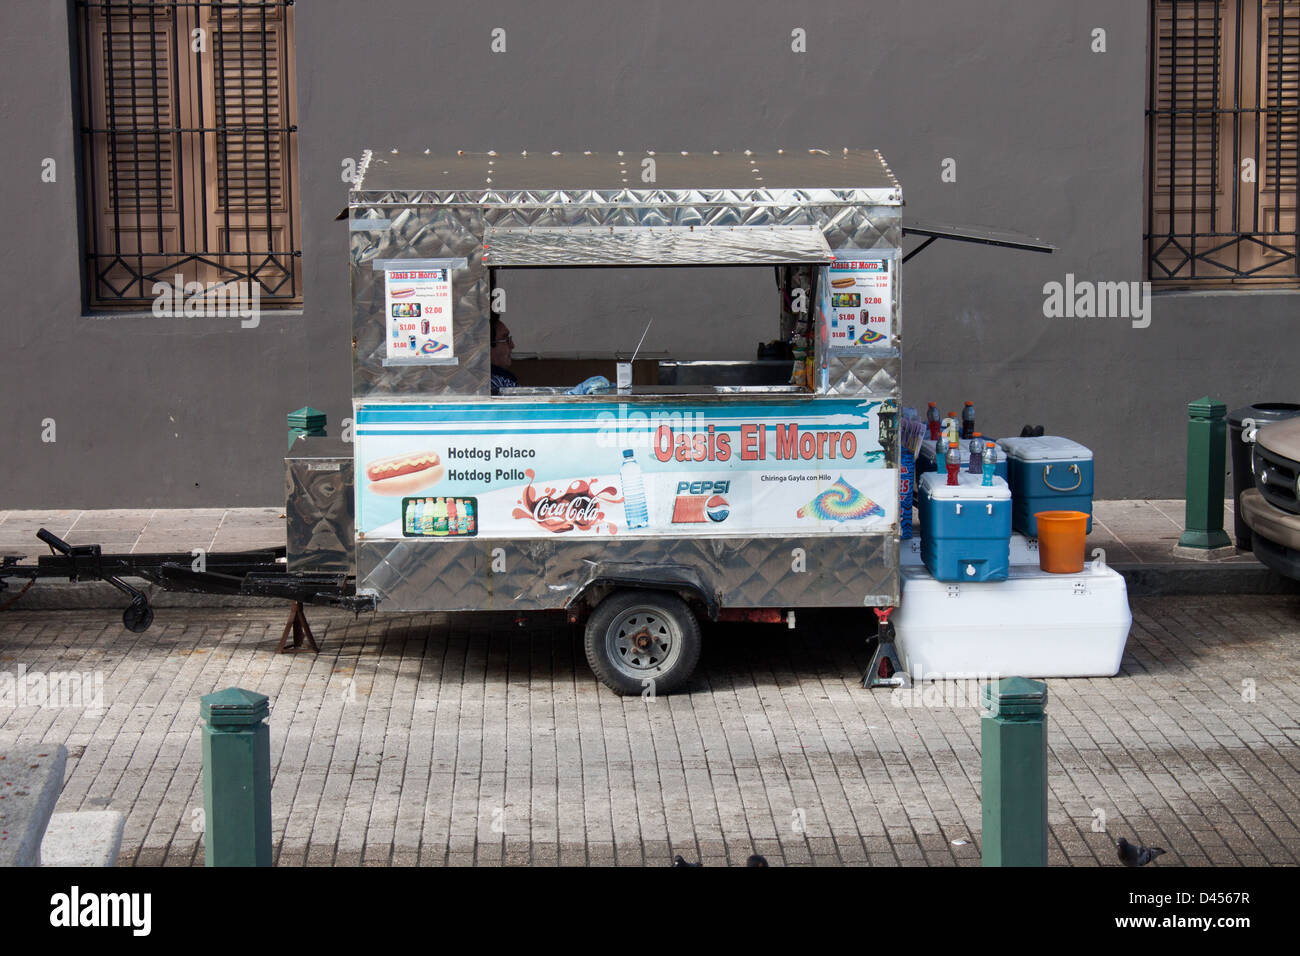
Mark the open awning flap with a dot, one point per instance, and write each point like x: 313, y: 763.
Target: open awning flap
x: 525, y: 246
x: 985, y: 235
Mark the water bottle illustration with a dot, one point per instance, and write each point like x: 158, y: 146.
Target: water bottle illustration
x: 634, y: 503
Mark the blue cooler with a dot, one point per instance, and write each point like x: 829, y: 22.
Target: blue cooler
x: 966, y: 528
x: 1047, y: 474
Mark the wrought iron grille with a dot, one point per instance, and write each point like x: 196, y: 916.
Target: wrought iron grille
x: 1223, y: 117
x: 189, y: 147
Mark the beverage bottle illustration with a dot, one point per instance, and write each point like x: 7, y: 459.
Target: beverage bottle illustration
x: 414, y: 512
x: 634, y: 502
x: 453, y: 518
x: 470, y: 526
x: 977, y: 454
x: 426, y: 517
x: 439, y: 517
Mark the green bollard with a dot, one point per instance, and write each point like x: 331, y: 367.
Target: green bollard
x: 1207, y: 442
x: 1013, y: 741
x: 236, y: 778
x: 304, y: 422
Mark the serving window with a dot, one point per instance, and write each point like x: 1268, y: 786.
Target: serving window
x: 700, y: 308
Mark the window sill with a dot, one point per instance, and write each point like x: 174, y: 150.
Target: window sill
x: 1208, y: 293
x: 263, y: 315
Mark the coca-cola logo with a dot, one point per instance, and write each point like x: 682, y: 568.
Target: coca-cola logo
x: 581, y: 510
x: 577, y: 508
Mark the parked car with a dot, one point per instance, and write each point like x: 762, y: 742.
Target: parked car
x: 1271, y: 509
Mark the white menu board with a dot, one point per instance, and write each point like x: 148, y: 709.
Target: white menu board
x: 861, y: 302
x: 417, y: 314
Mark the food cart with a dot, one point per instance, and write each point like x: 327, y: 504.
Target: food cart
x: 690, y: 488
x: 744, y: 494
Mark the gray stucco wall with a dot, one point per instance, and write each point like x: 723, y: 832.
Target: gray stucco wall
x: 1047, y: 137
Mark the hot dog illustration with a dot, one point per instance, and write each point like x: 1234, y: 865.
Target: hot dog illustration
x: 405, y: 474
x: 843, y: 282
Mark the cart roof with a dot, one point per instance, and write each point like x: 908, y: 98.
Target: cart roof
x: 492, y: 172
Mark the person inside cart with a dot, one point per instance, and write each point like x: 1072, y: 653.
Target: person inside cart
x: 502, y: 347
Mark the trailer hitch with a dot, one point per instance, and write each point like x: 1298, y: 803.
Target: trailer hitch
x: 84, y: 563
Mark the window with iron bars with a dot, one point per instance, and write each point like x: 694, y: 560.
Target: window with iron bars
x: 1223, y: 117
x: 189, y: 148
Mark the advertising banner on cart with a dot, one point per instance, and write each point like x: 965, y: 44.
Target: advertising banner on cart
x: 861, y: 300
x: 417, y: 304
x: 494, y: 469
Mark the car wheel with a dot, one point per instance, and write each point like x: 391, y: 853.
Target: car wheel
x: 639, y: 640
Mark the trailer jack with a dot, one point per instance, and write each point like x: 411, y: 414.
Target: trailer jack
x: 885, y: 669
x: 85, y: 563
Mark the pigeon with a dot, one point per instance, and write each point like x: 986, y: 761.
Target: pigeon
x: 678, y: 861
x: 756, y: 860
x: 1131, y: 855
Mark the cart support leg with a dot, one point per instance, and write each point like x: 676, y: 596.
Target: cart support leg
x: 885, y: 669
x: 298, y: 626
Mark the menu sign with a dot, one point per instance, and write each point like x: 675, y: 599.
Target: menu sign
x: 861, y: 301
x: 417, y: 315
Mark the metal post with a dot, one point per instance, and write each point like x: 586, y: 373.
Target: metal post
x: 236, y: 778
x: 305, y: 422
x: 1013, y: 741
x: 1207, y: 442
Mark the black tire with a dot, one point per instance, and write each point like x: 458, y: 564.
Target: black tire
x: 637, y: 640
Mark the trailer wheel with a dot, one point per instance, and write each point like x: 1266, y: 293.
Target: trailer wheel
x: 643, y: 639
x: 138, y: 616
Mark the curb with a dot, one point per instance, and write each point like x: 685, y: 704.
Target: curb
x: 1172, y: 578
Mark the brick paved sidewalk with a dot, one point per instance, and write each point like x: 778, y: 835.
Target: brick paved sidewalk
x: 408, y: 741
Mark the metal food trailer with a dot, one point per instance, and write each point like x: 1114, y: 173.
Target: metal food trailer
x: 684, y: 490
x: 648, y: 505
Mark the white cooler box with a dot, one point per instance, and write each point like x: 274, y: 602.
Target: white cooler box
x: 1033, y: 624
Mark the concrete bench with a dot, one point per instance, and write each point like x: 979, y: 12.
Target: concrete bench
x: 31, y: 778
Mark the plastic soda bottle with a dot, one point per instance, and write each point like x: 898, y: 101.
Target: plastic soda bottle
x: 953, y: 463
x: 968, y: 421
x: 634, y: 503
x: 990, y: 463
x: 976, y: 465
x: 932, y: 419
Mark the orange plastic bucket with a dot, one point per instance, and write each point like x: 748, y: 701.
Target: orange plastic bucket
x: 1060, y: 541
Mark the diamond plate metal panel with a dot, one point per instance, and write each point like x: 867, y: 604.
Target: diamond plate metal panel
x: 319, y: 523
x: 822, y: 571
x: 875, y: 375
x: 654, y: 246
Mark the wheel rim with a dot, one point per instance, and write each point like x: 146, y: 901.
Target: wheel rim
x: 643, y: 642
